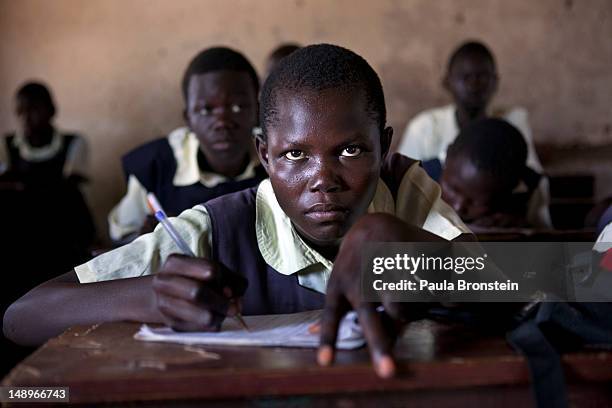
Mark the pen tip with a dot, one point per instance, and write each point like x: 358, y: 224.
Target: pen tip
x: 242, y: 322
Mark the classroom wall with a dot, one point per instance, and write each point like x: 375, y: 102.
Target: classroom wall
x: 115, y: 65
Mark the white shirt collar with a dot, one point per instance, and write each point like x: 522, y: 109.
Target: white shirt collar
x: 37, y: 154
x: 185, y: 145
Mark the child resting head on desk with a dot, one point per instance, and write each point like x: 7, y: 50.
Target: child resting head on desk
x: 472, y: 79
x: 324, y: 145
x: 485, y: 178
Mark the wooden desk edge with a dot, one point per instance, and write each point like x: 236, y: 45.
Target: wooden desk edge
x: 447, y: 374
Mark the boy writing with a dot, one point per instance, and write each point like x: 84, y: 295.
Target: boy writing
x: 324, y: 145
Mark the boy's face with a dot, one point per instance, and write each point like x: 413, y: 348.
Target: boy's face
x: 472, y: 81
x: 33, y: 115
x: 323, y: 156
x: 222, y: 111
x: 471, y: 192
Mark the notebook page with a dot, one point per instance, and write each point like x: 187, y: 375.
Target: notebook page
x: 288, y: 330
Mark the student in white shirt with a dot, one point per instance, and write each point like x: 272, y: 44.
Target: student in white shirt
x: 472, y: 80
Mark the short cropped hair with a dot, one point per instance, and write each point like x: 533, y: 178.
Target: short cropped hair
x: 321, y: 67
x: 494, y: 146
x: 470, y: 48
x: 36, y: 91
x: 218, y: 59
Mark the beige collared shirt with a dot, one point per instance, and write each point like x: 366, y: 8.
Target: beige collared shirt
x: 128, y: 216
x: 281, y: 247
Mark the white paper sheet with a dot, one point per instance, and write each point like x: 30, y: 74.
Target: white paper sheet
x: 289, y: 330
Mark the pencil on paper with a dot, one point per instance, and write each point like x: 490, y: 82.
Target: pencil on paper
x: 180, y: 242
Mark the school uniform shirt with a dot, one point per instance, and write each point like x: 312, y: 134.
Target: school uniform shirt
x: 414, y: 197
x: 169, y: 168
x: 64, y: 157
x: 429, y: 134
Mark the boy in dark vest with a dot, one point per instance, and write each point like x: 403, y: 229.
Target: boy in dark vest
x: 211, y: 156
x: 324, y: 145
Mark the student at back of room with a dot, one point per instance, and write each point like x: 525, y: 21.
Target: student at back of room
x: 471, y: 79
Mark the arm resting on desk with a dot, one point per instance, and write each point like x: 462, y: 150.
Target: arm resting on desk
x: 59, y: 303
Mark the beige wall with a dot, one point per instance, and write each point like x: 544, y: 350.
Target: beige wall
x: 114, y: 65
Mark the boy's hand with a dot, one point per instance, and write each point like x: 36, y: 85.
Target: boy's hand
x: 195, y: 294
x: 381, y: 328
x: 344, y: 292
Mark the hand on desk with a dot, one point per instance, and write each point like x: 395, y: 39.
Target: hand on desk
x: 344, y: 293
x: 195, y: 294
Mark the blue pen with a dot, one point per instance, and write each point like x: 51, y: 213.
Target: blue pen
x: 163, y: 219
x: 180, y: 242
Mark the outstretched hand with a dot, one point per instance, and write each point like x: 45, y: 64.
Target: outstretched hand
x: 381, y: 325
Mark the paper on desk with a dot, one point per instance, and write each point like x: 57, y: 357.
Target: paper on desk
x: 288, y: 330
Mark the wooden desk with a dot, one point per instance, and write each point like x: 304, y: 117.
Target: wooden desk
x: 440, y: 366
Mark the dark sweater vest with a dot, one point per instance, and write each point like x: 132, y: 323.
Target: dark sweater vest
x: 154, y: 165
x: 234, y: 245
x: 51, y: 169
